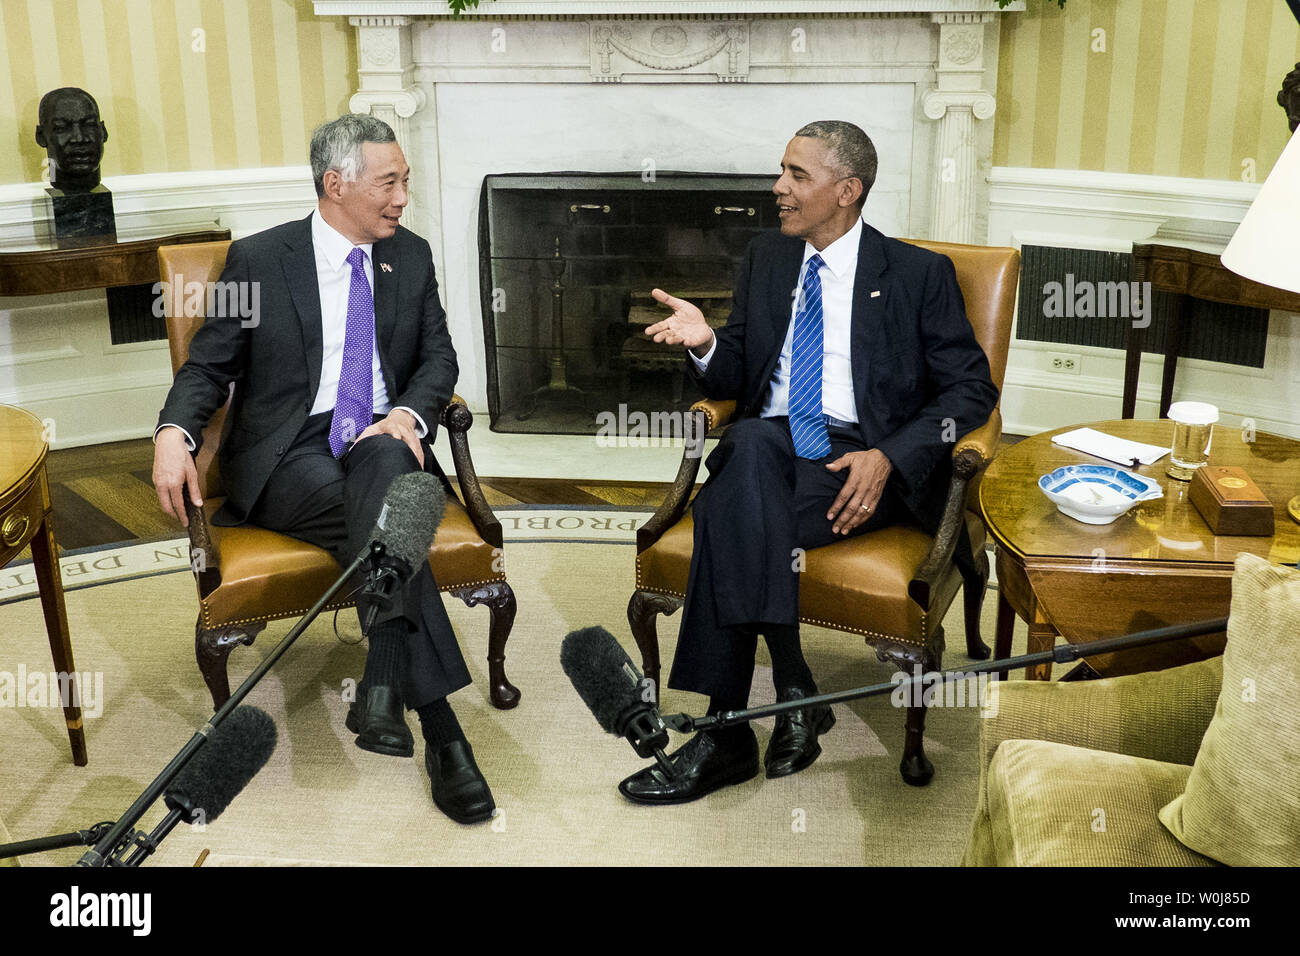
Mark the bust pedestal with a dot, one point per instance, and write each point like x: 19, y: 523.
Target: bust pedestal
x: 81, y: 216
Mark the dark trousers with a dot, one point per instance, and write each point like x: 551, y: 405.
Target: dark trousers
x: 760, y: 503
x: 334, y: 504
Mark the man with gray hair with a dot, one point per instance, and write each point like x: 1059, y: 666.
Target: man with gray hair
x: 850, y: 358
x: 340, y: 381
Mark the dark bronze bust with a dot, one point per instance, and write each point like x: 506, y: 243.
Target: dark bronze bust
x: 70, y: 130
x: 1289, y: 97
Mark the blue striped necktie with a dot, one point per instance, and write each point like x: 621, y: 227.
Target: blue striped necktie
x: 807, y: 427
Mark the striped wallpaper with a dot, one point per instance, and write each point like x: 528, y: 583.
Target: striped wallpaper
x: 244, y: 93
x: 1185, y: 87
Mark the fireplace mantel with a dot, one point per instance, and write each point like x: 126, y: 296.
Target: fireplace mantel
x: 664, y: 8
x: 700, y: 86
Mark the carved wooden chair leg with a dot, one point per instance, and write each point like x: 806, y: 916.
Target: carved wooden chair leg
x: 212, y: 649
x: 641, y: 612
x: 974, y: 570
x: 915, y: 766
x: 500, y: 600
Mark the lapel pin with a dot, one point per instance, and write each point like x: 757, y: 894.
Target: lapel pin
x: 387, y: 268
x: 875, y: 294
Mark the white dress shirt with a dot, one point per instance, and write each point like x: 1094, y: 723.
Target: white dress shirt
x: 334, y: 279
x: 837, y: 275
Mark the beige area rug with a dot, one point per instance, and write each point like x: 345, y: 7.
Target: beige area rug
x: 321, y: 800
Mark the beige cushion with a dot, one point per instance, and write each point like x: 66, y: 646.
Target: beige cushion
x: 1242, y: 801
x: 1053, y: 804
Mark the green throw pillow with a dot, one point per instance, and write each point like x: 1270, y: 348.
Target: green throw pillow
x: 1242, y: 802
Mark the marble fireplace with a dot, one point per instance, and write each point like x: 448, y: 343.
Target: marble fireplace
x: 636, y: 88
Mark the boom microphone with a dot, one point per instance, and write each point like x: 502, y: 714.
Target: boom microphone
x: 413, y: 508
x: 236, y: 750
x: 621, y: 700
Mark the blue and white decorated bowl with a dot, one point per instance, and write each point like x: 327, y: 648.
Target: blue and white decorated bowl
x: 1097, y: 494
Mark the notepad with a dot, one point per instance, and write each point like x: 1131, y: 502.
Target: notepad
x: 1119, y: 450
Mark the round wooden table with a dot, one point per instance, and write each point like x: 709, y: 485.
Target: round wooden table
x: 25, y: 518
x: 1157, y: 565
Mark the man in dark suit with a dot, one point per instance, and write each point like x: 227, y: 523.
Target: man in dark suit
x: 854, y: 369
x: 340, y: 379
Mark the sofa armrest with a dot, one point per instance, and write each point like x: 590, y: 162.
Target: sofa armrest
x: 1159, y: 715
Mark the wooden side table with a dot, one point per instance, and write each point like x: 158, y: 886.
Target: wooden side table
x: 1157, y: 565
x: 1188, y: 274
x: 26, y: 518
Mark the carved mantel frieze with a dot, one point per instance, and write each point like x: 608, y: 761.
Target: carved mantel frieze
x: 628, y: 49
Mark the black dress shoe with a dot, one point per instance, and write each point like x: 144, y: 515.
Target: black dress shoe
x: 459, y: 790
x: 703, y: 765
x: 379, y: 721
x: 794, y: 743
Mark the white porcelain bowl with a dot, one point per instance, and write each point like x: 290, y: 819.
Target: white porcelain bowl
x: 1097, y: 494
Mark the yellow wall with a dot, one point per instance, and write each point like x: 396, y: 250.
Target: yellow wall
x: 270, y: 70
x: 1185, y: 87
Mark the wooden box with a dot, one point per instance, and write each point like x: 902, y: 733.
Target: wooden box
x: 1230, y: 502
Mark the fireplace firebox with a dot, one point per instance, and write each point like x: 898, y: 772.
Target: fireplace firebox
x: 567, y: 263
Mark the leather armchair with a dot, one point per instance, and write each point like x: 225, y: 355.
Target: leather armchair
x: 247, y: 576
x: 892, y: 587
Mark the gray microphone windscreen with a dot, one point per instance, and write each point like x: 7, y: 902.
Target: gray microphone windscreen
x: 602, y: 674
x: 236, y: 750
x: 413, y: 509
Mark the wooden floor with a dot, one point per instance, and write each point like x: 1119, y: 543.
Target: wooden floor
x: 103, y: 494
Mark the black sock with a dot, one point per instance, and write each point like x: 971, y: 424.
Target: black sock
x: 439, y: 725
x: 727, y: 735
x: 386, y: 658
x: 789, y: 669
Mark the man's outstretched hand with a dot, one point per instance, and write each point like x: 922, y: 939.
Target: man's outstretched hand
x: 686, y: 326
x: 400, y: 424
x: 174, y: 474
x: 857, y: 500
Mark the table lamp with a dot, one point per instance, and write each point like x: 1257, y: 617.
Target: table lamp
x: 1266, y: 246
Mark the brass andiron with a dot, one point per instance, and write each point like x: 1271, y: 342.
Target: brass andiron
x: 558, y: 384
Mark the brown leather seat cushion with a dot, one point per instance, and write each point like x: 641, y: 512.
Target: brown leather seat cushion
x: 265, y: 575
x: 858, y: 585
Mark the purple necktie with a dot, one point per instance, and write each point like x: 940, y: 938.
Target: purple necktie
x: 355, y: 405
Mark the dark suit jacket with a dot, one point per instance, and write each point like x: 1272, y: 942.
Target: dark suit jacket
x: 275, y: 363
x: 916, y: 363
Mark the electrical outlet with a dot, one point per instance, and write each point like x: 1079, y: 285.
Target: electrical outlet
x: 1064, y: 362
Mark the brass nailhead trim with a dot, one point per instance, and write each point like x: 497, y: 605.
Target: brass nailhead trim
x: 207, y: 611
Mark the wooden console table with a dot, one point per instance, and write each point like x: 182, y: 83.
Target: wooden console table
x: 109, y: 265
x: 25, y: 518
x: 1189, y: 274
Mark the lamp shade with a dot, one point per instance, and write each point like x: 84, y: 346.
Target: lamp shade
x: 1266, y: 246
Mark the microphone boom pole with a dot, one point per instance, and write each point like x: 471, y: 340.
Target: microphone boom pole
x: 1063, y: 654
x: 101, y: 853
